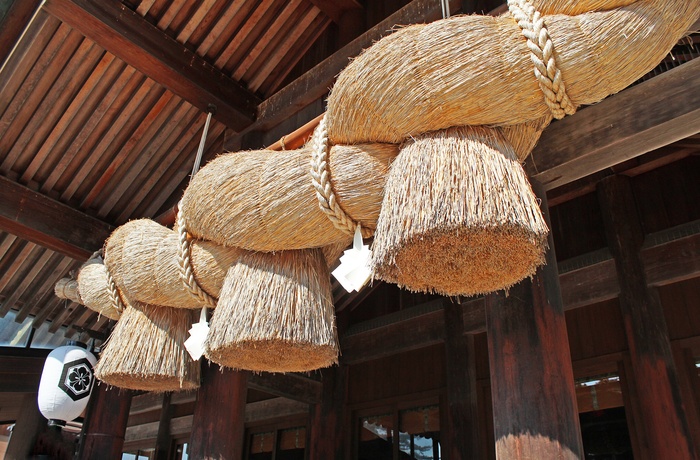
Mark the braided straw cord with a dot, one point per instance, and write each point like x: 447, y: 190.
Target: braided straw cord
x: 184, y: 260
x: 114, y: 293
x: 547, y: 73
x: 320, y: 178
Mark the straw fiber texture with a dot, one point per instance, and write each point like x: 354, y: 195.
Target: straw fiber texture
x: 142, y: 257
x: 265, y: 201
x: 477, y: 70
x: 67, y: 288
x: 93, y: 284
x: 146, y: 350
x: 459, y: 216
x: 275, y: 314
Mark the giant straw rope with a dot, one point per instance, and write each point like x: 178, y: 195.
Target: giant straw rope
x: 506, y: 76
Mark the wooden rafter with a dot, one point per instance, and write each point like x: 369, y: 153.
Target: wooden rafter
x: 127, y: 35
x: 49, y: 223
x: 291, y: 386
x: 334, y: 9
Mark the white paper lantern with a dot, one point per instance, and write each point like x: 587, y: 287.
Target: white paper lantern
x: 66, y: 382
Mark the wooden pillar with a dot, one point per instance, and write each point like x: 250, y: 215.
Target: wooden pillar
x: 629, y: 395
x: 218, y: 424
x: 461, y: 435
x: 327, y: 418
x: 27, y: 428
x: 163, y: 439
x: 690, y: 388
x: 656, y: 381
x: 534, y: 401
x: 105, y: 423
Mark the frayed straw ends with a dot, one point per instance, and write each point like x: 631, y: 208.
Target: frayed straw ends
x: 275, y: 314
x: 146, y: 351
x: 459, y: 216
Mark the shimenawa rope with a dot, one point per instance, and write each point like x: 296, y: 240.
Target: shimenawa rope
x: 547, y: 73
x: 320, y: 178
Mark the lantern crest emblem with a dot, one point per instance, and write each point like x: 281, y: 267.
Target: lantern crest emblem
x: 76, y: 379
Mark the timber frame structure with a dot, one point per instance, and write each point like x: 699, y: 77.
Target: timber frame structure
x: 102, y: 103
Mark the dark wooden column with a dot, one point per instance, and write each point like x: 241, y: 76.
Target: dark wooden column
x: 105, y: 423
x: 27, y: 428
x: 690, y: 387
x: 327, y: 419
x: 218, y: 425
x: 656, y: 381
x: 461, y: 435
x: 534, y: 402
x: 163, y: 439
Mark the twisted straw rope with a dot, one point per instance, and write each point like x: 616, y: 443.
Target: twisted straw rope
x: 114, y: 296
x: 548, y: 75
x: 320, y: 178
x: 184, y: 259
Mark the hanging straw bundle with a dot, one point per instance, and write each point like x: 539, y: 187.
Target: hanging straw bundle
x: 67, y: 288
x: 265, y: 200
x: 478, y: 70
x: 459, y: 216
x: 95, y: 290
x: 146, y: 350
x: 275, y: 314
x: 142, y: 257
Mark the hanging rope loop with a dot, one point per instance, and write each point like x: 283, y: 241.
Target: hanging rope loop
x: 320, y: 178
x: 539, y: 43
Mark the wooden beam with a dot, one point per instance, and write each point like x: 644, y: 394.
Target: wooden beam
x: 667, y: 260
x: 127, y: 35
x: 270, y: 409
x: 661, y: 410
x: 315, y: 83
x: 49, y: 223
x: 291, y: 386
x: 408, y: 330
x: 12, y: 24
x: 637, y: 120
x: 334, y: 9
x: 20, y: 374
x: 532, y: 380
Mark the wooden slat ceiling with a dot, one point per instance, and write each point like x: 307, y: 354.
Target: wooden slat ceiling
x: 83, y: 127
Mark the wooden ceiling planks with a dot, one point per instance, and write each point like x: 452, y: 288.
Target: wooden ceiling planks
x: 70, y: 121
x: 55, y: 103
x: 54, y: 270
x: 33, y: 89
x: 31, y: 270
x: 177, y: 179
x: 175, y: 167
x: 278, y: 75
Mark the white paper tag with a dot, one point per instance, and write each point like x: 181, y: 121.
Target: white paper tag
x: 198, y: 334
x: 354, y: 270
